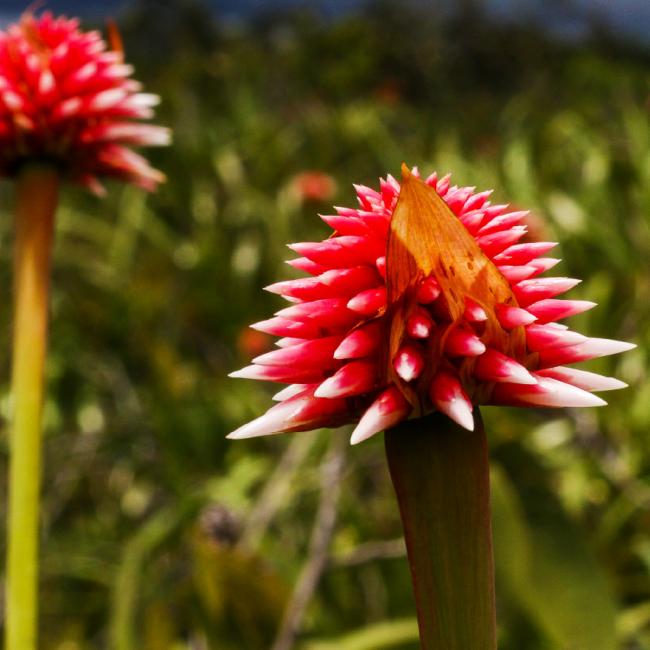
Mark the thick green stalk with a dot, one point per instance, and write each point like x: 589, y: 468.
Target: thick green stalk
x: 440, y: 473
x: 36, y: 199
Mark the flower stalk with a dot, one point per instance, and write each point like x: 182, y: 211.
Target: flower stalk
x: 36, y: 200
x: 440, y: 472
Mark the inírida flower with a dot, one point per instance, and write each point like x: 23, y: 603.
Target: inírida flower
x: 68, y: 111
x: 67, y: 99
x: 423, y: 299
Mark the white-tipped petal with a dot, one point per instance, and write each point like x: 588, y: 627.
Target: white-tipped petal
x: 464, y: 343
x: 474, y: 313
x: 362, y: 342
x: 448, y: 397
x: 555, y: 393
x: 386, y: 411
x: 270, y: 423
x: 511, y: 317
x: 590, y: 381
x: 460, y: 412
x: 605, y: 347
x: 329, y: 388
x: 588, y: 349
x: 290, y: 391
x: 519, y: 375
x: 495, y: 366
x: 248, y: 372
x: 419, y: 324
x: 408, y: 363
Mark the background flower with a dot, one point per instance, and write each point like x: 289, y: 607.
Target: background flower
x: 68, y: 99
x: 66, y: 110
x: 313, y: 185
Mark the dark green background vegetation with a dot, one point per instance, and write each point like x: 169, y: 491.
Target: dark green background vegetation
x: 159, y: 534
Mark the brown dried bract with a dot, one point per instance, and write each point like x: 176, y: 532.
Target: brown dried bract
x: 427, y: 239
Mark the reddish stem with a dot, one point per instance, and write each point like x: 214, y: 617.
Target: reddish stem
x: 441, y: 477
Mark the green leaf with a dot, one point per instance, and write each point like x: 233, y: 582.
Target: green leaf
x: 387, y: 634
x: 511, y: 535
x: 543, y: 561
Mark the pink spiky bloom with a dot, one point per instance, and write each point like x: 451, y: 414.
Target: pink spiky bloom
x: 67, y: 99
x: 423, y: 299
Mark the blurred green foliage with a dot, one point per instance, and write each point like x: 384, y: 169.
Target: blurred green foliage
x: 160, y: 534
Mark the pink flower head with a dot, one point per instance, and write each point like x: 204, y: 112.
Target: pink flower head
x: 422, y: 300
x: 313, y: 185
x: 65, y: 98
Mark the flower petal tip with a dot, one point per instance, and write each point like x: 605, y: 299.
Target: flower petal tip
x: 550, y: 393
x: 461, y: 414
x: 356, y: 437
x: 593, y: 402
x: 235, y: 435
x: 365, y: 430
x: 326, y: 390
x: 271, y: 422
x: 386, y: 411
x: 521, y: 376
x: 248, y: 430
x: 589, y: 381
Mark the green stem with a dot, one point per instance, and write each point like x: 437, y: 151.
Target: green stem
x: 36, y: 199
x: 441, y: 477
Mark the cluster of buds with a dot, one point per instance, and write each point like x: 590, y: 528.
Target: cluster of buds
x: 67, y: 99
x: 422, y: 300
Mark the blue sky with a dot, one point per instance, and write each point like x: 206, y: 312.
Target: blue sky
x: 566, y: 18
x: 626, y: 18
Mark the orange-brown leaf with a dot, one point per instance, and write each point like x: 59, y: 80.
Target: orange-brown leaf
x: 426, y: 238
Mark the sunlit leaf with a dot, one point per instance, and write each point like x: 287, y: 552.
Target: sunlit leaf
x: 545, y: 563
x: 387, y: 634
